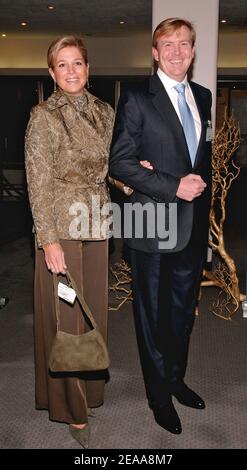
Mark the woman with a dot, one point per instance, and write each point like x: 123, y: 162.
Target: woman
x: 67, y: 144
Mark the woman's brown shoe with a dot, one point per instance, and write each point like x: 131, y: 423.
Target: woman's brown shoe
x: 81, y: 435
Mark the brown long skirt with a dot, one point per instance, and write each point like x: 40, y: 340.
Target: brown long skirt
x: 67, y: 396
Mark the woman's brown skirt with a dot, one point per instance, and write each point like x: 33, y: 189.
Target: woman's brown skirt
x: 67, y: 396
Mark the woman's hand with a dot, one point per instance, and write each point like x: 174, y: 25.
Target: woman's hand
x: 54, y: 258
x: 146, y: 164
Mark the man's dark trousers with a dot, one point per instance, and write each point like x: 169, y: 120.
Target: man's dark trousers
x: 165, y: 288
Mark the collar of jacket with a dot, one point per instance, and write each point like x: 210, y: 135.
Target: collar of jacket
x: 59, y: 99
x: 155, y: 84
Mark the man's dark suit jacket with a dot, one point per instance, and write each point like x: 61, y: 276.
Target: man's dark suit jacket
x: 147, y: 128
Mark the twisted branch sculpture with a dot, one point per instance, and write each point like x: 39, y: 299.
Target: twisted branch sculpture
x: 225, y: 171
x: 122, y: 274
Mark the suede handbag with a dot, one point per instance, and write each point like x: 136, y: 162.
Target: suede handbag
x: 77, y: 353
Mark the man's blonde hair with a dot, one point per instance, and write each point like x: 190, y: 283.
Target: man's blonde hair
x: 169, y: 26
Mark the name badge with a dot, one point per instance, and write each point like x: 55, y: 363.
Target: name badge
x: 209, y: 132
x: 66, y: 293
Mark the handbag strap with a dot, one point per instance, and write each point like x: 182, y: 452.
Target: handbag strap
x: 79, y: 295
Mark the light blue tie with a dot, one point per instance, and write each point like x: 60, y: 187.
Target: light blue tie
x: 187, y: 121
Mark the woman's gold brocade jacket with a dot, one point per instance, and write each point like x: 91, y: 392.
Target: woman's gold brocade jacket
x: 66, y: 155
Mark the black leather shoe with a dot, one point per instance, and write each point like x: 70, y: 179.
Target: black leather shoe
x: 3, y: 301
x: 167, y: 417
x: 186, y: 396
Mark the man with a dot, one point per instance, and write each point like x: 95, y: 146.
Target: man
x: 168, y: 130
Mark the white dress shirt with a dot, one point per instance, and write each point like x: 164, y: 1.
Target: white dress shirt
x: 169, y: 85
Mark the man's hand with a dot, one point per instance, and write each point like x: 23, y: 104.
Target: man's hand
x: 146, y: 164
x: 54, y: 258
x: 190, y: 187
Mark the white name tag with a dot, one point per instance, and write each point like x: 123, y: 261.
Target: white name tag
x: 209, y: 133
x: 66, y: 293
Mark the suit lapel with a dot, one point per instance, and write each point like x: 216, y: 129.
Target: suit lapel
x: 164, y: 106
x: 199, y: 105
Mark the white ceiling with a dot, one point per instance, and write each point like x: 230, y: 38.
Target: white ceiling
x: 95, y: 17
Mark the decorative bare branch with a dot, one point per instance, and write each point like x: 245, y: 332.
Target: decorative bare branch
x: 122, y: 274
x: 225, y: 171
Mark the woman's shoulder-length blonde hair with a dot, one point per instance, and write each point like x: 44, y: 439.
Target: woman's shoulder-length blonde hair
x: 65, y: 41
